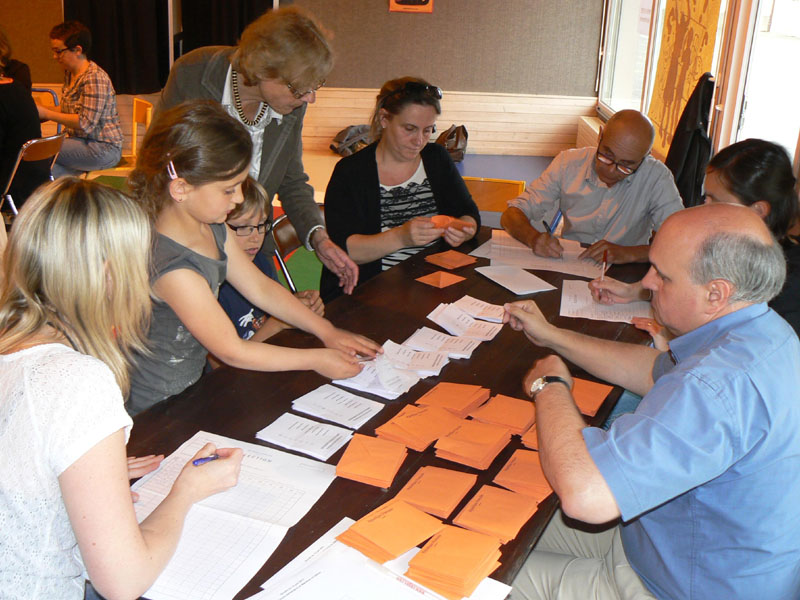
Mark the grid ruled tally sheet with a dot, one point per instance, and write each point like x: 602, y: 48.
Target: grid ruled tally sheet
x: 228, y: 537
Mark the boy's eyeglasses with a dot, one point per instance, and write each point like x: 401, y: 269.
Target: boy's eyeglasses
x: 246, y: 230
x: 298, y: 94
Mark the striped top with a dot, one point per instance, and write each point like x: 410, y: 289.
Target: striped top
x: 401, y: 203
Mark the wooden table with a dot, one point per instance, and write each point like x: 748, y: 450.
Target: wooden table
x: 237, y: 403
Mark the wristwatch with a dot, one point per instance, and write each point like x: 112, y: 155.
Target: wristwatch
x: 539, y: 384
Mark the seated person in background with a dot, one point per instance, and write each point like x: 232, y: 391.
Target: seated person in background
x: 73, y: 308
x: 88, y: 106
x: 188, y: 177
x: 753, y: 173
x: 613, y: 197
x: 380, y: 201
x: 14, y: 69
x: 19, y: 122
x: 249, y: 225
x: 705, y: 474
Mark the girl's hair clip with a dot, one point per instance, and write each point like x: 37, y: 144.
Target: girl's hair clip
x: 173, y: 174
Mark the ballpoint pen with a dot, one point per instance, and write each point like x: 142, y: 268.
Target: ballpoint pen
x: 201, y: 461
x: 605, y: 265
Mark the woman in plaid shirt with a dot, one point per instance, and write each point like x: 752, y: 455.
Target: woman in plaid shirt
x: 88, y: 106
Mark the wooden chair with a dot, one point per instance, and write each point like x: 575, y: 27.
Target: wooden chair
x: 142, y: 115
x: 34, y: 150
x: 286, y: 241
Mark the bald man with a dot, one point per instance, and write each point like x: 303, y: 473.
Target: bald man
x: 612, y: 197
x: 697, y: 489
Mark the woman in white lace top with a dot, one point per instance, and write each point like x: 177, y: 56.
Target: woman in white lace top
x: 73, y: 304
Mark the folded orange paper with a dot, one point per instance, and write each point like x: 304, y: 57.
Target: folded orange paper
x: 530, y: 439
x: 371, y: 460
x: 523, y: 474
x: 418, y: 426
x: 589, y: 395
x: 473, y: 443
x: 445, y: 221
x: 450, y: 259
x: 497, y: 512
x: 518, y: 415
x: 440, y: 279
x: 460, y: 398
x: 437, y: 491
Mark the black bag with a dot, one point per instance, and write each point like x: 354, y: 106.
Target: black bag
x: 351, y: 139
x: 455, y: 140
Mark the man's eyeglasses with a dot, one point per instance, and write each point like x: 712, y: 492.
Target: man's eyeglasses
x: 298, y: 94
x: 624, y: 169
x: 246, y: 230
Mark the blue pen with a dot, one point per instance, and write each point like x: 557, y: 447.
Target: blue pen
x: 201, y: 461
x: 555, y: 221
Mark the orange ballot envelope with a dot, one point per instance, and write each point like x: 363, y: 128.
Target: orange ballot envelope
x: 437, y: 491
x: 455, y: 561
x: 371, y: 460
x: 530, y: 439
x: 440, y: 279
x: 460, y: 398
x: 523, y: 473
x: 497, y: 512
x: 473, y: 443
x: 445, y: 221
x: 418, y: 426
x: 589, y: 395
x: 450, y: 259
x: 518, y: 415
x: 390, y: 530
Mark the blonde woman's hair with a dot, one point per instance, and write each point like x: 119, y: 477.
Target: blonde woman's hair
x: 287, y: 44
x: 77, y: 259
x: 255, y: 199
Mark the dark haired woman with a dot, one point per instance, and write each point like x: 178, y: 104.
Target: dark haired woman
x: 88, y: 106
x: 379, y: 202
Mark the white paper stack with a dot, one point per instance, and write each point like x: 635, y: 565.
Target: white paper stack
x: 424, y: 363
x: 381, y: 378
x: 333, y: 404
x: 426, y: 338
x: 319, y: 440
x: 456, y: 322
x: 480, y: 309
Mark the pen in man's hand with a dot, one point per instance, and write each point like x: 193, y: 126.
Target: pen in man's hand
x: 201, y: 461
x: 547, y: 227
x: 605, y: 265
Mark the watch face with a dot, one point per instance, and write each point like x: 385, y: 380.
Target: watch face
x: 537, y: 385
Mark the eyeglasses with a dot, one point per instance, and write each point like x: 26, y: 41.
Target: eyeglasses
x: 624, y: 169
x: 298, y: 94
x: 59, y: 52
x: 415, y: 87
x: 247, y: 230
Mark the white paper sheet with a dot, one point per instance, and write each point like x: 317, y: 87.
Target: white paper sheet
x: 515, y: 279
x: 456, y: 322
x: 480, y: 309
x: 576, y: 301
x: 379, y: 377
x: 426, y: 338
x: 319, y: 440
x: 339, y: 406
x: 228, y: 537
x: 424, y: 363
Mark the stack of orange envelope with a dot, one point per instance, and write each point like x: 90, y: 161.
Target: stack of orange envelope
x: 497, y: 512
x: 473, y: 443
x: 390, y: 530
x: 371, y: 460
x: 530, y: 439
x: 589, y: 395
x: 523, y: 474
x: 437, y: 491
x: 518, y: 415
x: 418, y: 426
x: 455, y: 561
x: 460, y: 398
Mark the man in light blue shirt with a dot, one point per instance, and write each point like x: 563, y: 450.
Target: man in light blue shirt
x: 704, y: 476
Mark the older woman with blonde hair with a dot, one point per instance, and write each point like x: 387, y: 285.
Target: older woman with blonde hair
x: 265, y: 83
x: 74, y: 303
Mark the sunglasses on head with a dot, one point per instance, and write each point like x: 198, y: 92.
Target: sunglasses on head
x: 415, y: 87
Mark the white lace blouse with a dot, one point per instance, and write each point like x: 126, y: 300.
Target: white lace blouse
x: 55, y: 405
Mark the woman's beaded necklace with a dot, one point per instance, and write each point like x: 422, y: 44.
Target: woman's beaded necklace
x: 237, y: 102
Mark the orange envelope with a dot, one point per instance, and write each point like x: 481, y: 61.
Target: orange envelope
x: 390, y: 530
x: 589, y: 395
x: 445, y: 221
x: 460, y: 398
x: 371, y: 460
x: 523, y: 474
x: 473, y: 443
x: 497, y: 512
x: 518, y: 415
x: 455, y: 561
x: 418, y: 427
x: 450, y: 259
x: 440, y: 279
x: 530, y: 439
x: 437, y: 491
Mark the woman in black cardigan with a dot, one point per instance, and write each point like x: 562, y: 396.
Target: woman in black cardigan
x: 379, y: 202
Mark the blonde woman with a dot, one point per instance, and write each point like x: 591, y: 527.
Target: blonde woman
x: 73, y: 305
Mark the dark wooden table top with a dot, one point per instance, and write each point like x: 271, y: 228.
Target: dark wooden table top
x: 238, y: 403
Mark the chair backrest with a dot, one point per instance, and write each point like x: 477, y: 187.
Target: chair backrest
x: 37, y: 149
x: 493, y: 194
x: 142, y: 115
x: 286, y: 240
x: 43, y: 95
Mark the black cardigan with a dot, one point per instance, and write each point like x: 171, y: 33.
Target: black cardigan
x: 352, y: 202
